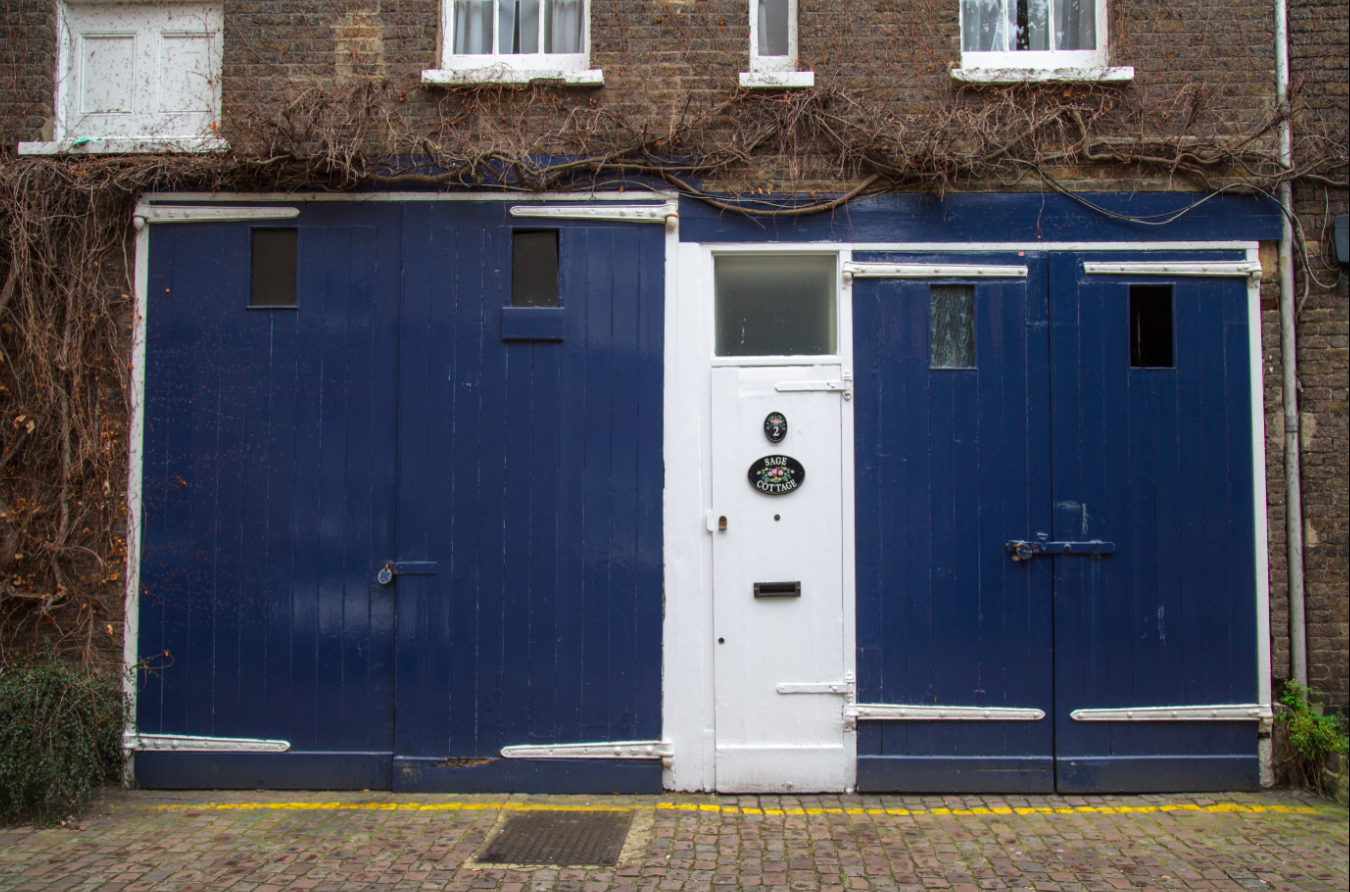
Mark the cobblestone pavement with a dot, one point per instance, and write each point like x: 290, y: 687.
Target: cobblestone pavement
x: 377, y: 841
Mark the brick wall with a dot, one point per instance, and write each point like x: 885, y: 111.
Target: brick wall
x: 27, y: 67
x: 1205, y: 61
x: 1320, y: 71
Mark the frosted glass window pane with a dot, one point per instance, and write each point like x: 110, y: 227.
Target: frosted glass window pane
x: 190, y: 89
x: 473, y: 26
x: 564, y: 26
x: 773, y: 27
x: 107, y: 74
x: 518, y: 26
x: 951, y: 324
x: 1076, y: 25
x: 775, y: 305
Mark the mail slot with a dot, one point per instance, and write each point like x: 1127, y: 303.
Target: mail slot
x: 778, y: 589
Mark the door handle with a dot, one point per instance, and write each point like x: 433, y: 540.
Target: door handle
x: 391, y: 569
x: 1025, y: 550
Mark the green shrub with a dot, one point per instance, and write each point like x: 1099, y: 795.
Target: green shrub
x: 60, y: 736
x: 1311, y: 736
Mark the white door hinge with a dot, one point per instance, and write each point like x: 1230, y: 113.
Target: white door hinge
x: 844, y: 386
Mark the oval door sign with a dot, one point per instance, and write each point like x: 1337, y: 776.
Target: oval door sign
x: 777, y: 475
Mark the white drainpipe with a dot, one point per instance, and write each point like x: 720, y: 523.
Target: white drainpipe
x: 1293, y: 498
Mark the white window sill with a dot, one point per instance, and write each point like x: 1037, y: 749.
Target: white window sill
x: 124, y: 145
x: 453, y: 76
x: 1122, y: 75
x: 777, y: 80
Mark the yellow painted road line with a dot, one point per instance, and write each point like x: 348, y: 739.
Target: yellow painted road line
x: 1190, y: 807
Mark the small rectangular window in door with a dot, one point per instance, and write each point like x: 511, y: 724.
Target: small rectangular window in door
x: 534, y: 268
x: 775, y: 305
x: 951, y: 324
x: 272, y: 272
x: 1151, y: 327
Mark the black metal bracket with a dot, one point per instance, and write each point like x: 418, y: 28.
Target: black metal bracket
x: 1024, y: 550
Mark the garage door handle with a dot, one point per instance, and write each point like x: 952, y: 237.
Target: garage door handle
x: 404, y: 568
x: 1025, y: 550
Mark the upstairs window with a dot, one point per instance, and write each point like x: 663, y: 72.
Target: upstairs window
x: 136, y: 77
x: 515, y: 41
x: 773, y: 47
x: 1029, y: 40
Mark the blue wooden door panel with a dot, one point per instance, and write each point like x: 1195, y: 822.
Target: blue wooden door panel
x: 948, y: 468
x: 1159, y: 461
x: 268, y: 492
x: 530, y: 472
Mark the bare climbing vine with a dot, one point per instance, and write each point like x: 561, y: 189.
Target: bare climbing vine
x: 65, y: 238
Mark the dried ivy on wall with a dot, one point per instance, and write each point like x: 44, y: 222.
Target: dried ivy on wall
x: 65, y: 240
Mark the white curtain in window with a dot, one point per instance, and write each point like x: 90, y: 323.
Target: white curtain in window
x: 473, y: 26
x: 1037, y: 36
x: 1076, y: 25
x: 773, y: 27
x: 564, y: 26
x: 517, y: 26
x: 984, y: 26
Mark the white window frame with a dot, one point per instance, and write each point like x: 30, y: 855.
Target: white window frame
x: 1029, y: 66
x: 512, y: 68
x: 68, y: 136
x: 775, y: 72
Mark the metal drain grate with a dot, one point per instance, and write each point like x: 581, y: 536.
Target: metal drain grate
x: 560, y: 837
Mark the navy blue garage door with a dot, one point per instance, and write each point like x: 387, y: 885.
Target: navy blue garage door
x: 1086, y: 408
x: 291, y: 452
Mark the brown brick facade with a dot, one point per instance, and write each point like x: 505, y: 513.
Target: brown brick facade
x: 1208, y: 64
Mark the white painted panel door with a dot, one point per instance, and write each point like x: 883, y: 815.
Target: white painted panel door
x: 767, y: 740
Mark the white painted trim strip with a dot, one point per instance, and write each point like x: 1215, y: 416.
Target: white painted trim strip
x: 1118, y: 75
x: 621, y: 749
x: 777, y: 80
x: 831, y: 687
x: 1216, y: 713
x: 147, y: 213
x: 180, y: 743
x: 122, y: 145
x: 591, y: 77
x: 932, y: 271
x: 634, y: 213
x: 505, y: 195
x: 1176, y: 268
x: 900, y: 712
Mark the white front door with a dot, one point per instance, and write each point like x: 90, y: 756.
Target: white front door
x: 778, y: 580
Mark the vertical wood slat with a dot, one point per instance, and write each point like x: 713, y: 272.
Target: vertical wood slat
x: 238, y: 407
x: 547, y: 564
x: 946, y: 459
x: 1171, y: 472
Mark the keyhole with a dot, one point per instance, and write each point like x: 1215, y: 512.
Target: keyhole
x: 722, y: 523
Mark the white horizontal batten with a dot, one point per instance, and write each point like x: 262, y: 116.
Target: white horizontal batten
x: 1213, y: 713
x: 633, y: 213
x: 1178, y: 268
x: 901, y: 712
x: 184, y: 214
x: 621, y: 749
x: 179, y: 743
x: 932, y: 271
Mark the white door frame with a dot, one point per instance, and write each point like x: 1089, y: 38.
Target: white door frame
x: 688, y: 641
